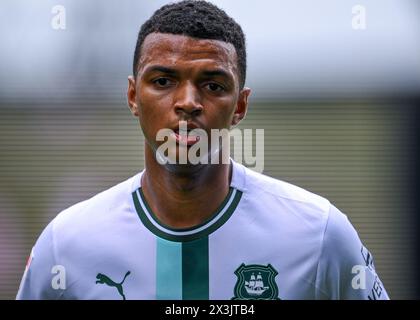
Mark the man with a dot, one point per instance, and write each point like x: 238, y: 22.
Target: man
x: 197, y: 230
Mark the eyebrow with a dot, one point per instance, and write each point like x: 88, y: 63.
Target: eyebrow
x: 207, y: 73
x: 216, y: 72
x: 162, y: 69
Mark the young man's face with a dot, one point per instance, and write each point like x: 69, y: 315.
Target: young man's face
x: 194, y: 81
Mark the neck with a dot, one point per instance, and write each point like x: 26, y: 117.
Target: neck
x: 184, y: 197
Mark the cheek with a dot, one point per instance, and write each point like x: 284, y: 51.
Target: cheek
x: 154, y: 101
x: 223, y: 113
x: 153, y: 114
x: 153, y: 107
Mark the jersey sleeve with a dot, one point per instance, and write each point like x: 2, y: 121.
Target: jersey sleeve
x: 346, y: 268
x: 39, y: 280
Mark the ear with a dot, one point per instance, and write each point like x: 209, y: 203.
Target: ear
x: 241, y: 106
x: 131, y: 96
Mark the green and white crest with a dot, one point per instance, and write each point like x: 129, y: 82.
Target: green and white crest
x: 256, y: 282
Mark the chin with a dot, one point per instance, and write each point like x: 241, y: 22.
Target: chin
x: 185, y: 169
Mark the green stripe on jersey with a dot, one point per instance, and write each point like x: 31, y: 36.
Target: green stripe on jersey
x: 195, y: 269
x: 168, y: 270
x: 182, y: 257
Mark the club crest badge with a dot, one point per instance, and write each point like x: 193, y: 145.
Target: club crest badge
x: 256, y: 282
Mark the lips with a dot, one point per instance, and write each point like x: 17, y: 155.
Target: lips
x: 186, y: 139
x: 183, y: 135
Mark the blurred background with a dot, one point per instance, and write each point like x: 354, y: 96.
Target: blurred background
x: 336, y: 92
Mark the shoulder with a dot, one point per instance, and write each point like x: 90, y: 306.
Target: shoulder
x: 334, y: 227
x: 283, y: 190
x: 69, y: 240
x: 282, y: 197
x: 101, y: 207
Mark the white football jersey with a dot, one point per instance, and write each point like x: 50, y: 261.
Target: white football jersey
x: 268, y: 240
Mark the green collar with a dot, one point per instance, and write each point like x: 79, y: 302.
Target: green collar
x: 217, y: 219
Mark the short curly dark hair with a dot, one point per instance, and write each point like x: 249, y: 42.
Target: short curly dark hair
x: 198, y: 19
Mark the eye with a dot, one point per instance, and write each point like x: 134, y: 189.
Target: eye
x: 162, y: 82
x: 214, y: 87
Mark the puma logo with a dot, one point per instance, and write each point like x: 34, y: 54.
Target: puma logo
x: 103, y: 279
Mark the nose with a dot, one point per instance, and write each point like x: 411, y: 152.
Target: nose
x: 187, y: 100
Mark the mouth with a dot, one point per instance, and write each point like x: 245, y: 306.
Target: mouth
x: 183, y: 135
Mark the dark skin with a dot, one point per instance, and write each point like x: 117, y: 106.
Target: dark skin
x: 181, y: 78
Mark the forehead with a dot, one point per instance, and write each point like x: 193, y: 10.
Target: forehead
x: 180, y: 50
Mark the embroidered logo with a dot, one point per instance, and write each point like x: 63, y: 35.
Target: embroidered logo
x: 256, y: 282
